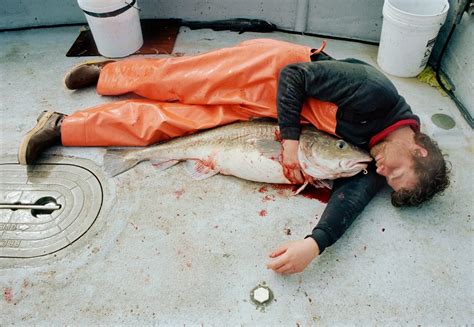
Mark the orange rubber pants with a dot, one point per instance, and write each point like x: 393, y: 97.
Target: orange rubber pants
x: 186, y: 94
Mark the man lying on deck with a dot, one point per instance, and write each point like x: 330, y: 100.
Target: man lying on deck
x: 261, y: 78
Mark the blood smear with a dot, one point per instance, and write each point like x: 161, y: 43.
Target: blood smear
x: 267, y: 198
x: 321, y: 194
x: 179, y: 193
x: 7, y: 294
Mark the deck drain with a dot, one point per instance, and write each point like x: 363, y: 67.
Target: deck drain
x: 261, y: 296
x: 46, y: 207
x: 443, y: 121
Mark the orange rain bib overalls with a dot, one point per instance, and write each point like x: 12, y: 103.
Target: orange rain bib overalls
x: 186, y: 94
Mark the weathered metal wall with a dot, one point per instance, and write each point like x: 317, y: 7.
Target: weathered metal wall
x: 353, y: 19
x: 359, y: 19
x: 458, y: 62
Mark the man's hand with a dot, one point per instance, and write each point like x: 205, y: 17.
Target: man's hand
x: 293, y: 257
x: 290, y: 162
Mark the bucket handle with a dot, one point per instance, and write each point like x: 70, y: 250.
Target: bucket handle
x: 113, y: 13
x: 134, y: 5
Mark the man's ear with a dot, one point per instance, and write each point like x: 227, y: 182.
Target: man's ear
x: 420, y: 151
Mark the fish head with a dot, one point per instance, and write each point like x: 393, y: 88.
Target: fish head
x: 323, y: 156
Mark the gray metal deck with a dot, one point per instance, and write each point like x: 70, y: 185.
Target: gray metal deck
x: 176, y: 251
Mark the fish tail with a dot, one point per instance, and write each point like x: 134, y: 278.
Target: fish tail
x: 117, y: 161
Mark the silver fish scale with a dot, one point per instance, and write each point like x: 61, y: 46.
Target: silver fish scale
x: 225, y: 136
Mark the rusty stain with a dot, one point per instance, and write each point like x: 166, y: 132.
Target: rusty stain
x: 7, y: 294
x: 179, y: 193
x: 262, y: 213
x: 267, y: 198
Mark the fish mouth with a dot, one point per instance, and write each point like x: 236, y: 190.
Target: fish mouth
x: 353, y: 167
x: 349, y: 164
x: 328, y: 169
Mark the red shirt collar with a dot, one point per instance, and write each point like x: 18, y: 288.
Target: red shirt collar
x: 415, y: 126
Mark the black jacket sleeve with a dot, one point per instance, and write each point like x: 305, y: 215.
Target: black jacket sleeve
x: 294, y: 86
x: 333, y: 81
x: 348, y: 199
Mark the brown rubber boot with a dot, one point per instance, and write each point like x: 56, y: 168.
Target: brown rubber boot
x: 45, y: 134
x: 84, y: 75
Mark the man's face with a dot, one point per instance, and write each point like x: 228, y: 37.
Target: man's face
x: 394, y: 162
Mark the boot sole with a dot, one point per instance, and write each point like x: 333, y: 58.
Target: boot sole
x: 26, y: 139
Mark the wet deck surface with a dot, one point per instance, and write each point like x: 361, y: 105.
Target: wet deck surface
x: 177, y: 251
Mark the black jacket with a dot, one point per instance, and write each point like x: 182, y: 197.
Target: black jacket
x: 367, y: 104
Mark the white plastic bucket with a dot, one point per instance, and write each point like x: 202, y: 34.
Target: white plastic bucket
x: 409, y: 32
x: 115, y: 26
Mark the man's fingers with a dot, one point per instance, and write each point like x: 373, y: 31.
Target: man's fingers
x: 295, y: 176
x: 292, y: 172
x: 277, y: 263
x: 300, y: 176
x: 278, y: 252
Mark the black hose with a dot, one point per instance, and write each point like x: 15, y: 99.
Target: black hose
x: 330, y: 37
x: 464, y: 111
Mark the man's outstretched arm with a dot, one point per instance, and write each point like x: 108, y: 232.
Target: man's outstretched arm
x: 348, y: 199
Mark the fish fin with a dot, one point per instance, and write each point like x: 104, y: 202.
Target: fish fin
x: 301, y: 188
x: 116, y: 161
x: 198, y: 170
x: 322, y: 183
x: 163, y: 164
x: 270, y: 149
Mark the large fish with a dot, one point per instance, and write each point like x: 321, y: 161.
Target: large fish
x: 248, y: 150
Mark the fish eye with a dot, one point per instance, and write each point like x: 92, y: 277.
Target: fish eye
x: 341, y: 144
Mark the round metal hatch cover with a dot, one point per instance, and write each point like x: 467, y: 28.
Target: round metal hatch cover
x: 443, y: 121
x: 46, y: 207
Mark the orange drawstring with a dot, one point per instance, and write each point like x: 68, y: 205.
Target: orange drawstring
x: 321, y: 48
